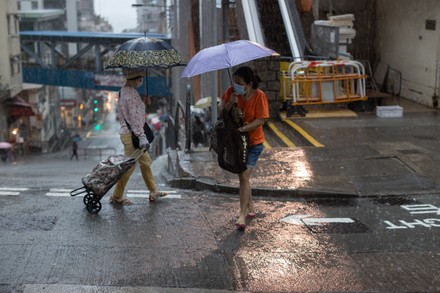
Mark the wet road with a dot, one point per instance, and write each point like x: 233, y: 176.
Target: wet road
x: 50, y: 243
x: 189, y: 241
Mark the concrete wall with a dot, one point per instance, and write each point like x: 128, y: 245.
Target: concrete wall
x: 405, y: 44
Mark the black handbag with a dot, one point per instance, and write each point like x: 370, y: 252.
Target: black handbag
x: 147, y: 130
x: 148, y: 133
x: 231, y: 145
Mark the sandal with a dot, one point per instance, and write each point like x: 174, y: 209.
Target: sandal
x: 251, y: 215
x: 156, y: 195
x: 124, y: 201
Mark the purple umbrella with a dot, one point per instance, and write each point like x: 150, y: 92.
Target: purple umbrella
x: 225, y: 56
x: 218, y: 57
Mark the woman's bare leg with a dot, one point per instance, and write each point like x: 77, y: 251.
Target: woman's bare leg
x: 245, y: 195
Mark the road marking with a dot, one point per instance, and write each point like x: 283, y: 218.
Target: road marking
x: 294, y: 219
x: 172, y: 194
x: 284, y: 138
x: 266, y: 145
x: 306, y: 220
x: 14, y: 188
x: 321, y: 221
x: 304, y: 133
x: 145, y: 193
x: 11, y: 190
x: 9, y: 193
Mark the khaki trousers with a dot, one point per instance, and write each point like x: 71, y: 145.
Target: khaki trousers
x: 144, y: 163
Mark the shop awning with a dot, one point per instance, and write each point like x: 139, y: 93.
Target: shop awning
x: 17, y: 107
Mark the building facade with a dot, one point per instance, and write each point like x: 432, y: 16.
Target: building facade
x: 10, y: 65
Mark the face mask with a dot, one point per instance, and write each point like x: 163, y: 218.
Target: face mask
x: 239, y: 89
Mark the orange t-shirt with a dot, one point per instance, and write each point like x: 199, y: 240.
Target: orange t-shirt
x: 256, y: 107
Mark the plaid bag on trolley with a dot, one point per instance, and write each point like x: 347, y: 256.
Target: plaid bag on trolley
x: 102, y: 178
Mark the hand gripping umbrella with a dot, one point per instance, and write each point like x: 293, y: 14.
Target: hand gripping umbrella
x: 144, y: 53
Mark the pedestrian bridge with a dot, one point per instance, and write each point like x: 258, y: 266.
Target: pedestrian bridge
x: 47, y: 61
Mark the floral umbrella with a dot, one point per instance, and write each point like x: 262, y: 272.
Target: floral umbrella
x: 145, y: 53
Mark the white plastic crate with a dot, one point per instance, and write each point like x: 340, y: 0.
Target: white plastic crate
x: 389, y: 111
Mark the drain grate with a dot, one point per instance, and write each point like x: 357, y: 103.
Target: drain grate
x: 395, y: 200
x: 333, y: 202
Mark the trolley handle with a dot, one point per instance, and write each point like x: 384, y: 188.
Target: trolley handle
x: 137, y: 154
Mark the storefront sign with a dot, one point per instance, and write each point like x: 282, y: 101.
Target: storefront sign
x: 67, y: 103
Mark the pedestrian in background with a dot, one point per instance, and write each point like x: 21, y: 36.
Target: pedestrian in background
x: 253, y: 103
x: 74, y: 150
x: 131, y: 110
x: 198, y: 133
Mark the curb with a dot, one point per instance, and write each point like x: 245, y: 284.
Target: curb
x: 201, y: 184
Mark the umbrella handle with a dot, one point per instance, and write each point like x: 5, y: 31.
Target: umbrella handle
x: 230, y: 77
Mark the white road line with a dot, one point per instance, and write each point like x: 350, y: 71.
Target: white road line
x: 57, y: 194
x: 172, y: 194
x: 14, y: 188
x: 146, y: 191
x: 145, y: 195
x: 9, y: 193
x: 60, y: 190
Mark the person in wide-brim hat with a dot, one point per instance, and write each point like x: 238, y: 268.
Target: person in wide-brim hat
x: 133, y: 73
x: 131, y: 110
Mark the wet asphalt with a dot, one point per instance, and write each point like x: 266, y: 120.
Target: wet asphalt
x: 319, y: 238
x: 363, y: 156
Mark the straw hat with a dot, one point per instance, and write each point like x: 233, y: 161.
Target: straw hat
x: 133, y: 73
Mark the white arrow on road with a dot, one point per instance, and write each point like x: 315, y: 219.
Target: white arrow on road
x: 306, y: 220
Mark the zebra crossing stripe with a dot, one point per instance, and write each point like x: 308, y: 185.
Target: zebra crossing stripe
x: 9, y: 193
x: 58, y: 192
x: 130, y: 193
x: 145, y: 193
x: 14, y: 188
x: 11, y: 190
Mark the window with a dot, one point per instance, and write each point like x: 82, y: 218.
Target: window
x: 13, y: 23
x: 15, y: 66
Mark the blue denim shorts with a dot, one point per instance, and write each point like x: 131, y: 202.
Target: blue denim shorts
x: 254, y: 153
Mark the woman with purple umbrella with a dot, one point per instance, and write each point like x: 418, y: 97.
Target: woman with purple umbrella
x: 253, y: 103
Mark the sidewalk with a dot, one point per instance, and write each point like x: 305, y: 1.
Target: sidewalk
x: 363, y: 156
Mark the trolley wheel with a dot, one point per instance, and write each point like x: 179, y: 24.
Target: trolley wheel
x: 87, y: 198
x: 93, y: 206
